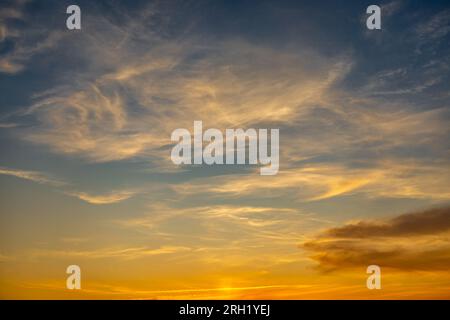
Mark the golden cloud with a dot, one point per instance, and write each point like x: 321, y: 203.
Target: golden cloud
x: 390, y: 179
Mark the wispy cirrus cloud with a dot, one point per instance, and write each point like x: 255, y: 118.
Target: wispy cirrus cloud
x: 126, y: 106
x: 243, y: 216
x: 245, y: 234
x: 436, y: 27
x: 322, y: 181
x: 99, y: 121
x: 34, y: 176
x: 29, y: 38
x: 43, y: 178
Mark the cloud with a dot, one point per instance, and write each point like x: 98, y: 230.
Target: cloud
x: 240, y: 216
x: 412, y: 241
x: 93, y: 123
x: 42, y: 178
x: 409, y: 224
x: 31, y: 176
x: 132, y: 111
x: 137, y: 91
x: 29, y: 39
x: 110, y: 198
x: 435, y: 27
x: 246, y: 234
x: 312, y: 182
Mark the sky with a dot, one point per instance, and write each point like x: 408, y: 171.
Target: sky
x: 86, y: 177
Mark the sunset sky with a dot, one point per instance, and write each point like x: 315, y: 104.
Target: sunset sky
x: 86, y: 178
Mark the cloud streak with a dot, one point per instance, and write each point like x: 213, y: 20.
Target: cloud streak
x: 42, y: 178
x: 31, y: 176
